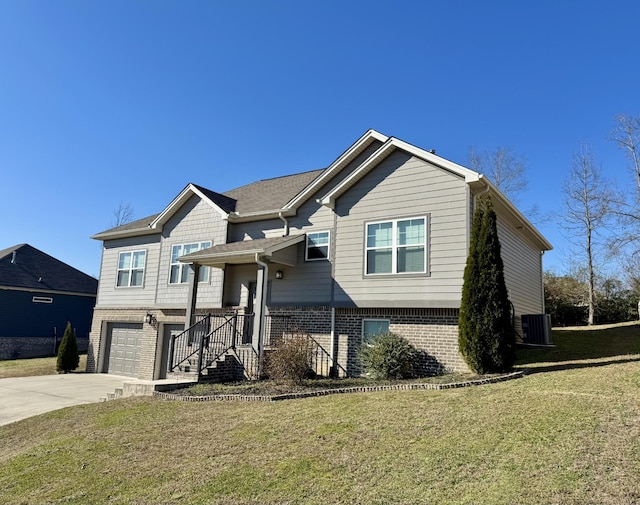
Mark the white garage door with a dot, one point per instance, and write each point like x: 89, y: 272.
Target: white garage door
x: 125, y: 347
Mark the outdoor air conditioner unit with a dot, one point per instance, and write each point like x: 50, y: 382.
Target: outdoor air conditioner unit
x: 536, y: 329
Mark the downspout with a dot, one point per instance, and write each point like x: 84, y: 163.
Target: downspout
x: 285, y: 231
x: 263, y: 307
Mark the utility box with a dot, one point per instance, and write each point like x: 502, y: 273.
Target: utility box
x: 536, y: 329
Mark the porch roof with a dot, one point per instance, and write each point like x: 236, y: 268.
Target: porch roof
x: 243, y: 252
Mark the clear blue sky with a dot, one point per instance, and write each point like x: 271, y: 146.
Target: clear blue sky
x: 103, y: 102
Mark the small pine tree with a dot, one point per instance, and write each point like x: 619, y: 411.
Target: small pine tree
x: 68, y: 358
x: 486, y: 336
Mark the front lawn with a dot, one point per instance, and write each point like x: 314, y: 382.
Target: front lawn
x: 34, y: 366
x: 569, y: 434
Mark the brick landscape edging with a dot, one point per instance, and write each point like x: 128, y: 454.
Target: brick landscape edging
x: 355, y: 389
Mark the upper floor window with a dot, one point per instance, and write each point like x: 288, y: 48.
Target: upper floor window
x: 397, y: 246
x: 179, y: 272
x: 317, y: 246
x: 131, y: 268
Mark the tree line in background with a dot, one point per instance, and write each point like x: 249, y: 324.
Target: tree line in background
x: 601, y: 221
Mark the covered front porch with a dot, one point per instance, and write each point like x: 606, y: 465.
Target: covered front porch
x: 240, y: 334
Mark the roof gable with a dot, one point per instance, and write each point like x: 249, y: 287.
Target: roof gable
x: 221, y: 203
x: 33, y: 269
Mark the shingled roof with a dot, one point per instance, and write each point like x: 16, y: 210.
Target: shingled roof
x: 31, y: 268
x: 270, y: 194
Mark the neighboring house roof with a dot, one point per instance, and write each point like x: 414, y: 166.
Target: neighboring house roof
x: 242, y: 252
x: 27, y: 268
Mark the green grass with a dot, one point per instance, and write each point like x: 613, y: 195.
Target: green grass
x: 567, y: 433
x: 34, y: 366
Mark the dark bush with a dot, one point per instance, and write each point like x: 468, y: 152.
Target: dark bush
x: 291, y: 360
x: 68, y: 357
x: 388, y: 356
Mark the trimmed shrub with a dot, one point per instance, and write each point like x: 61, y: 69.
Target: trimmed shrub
x: 291, y: 361
x: 388, y: 356
x: 68, y: 357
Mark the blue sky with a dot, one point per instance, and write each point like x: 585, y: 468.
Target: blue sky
x: 109, y: 102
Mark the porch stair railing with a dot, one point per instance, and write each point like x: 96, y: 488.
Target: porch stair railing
x: 209, y: 339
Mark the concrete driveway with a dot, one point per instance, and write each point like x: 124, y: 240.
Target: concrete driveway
x: 23, y: 397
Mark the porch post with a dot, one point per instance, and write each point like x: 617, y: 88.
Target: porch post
x: 194, y: 273
x: 258, y: 309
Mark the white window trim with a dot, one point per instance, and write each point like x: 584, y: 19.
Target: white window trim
x: 144, y: 269
x: 306, y: 249
x: 185, y: 265
x: 375, y: 319
x: 394, y: 246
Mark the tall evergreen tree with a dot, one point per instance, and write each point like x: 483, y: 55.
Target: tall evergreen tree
x: 468, y: 319
x: 486, y: 335
x: 68, y: 357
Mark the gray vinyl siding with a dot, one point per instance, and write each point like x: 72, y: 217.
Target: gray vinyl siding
x: 236, y: 284
x: 111, y: 296
x: 403, y: 186
x: 522, y: 271
x: 195, y: 221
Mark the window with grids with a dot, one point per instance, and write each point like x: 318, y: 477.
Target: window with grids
x: 396, y: 247
x: 179, y: 272
x: 317, y: 246
x: 131, y: 269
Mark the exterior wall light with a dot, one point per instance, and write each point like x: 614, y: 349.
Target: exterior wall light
x: 150, y: 318
x: 279, y: 274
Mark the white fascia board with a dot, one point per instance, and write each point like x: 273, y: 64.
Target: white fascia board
x: 125, y: 234
x: 356, y: 148
x: 329, y: 199
x: 179, y: 201
x: 513, y: 210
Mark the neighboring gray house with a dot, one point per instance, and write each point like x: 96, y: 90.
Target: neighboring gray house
x: 38, y: 295
x: 378, y: 240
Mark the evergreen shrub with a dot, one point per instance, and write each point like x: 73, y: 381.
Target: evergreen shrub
x: 68, y: 357
x: 388, y: 356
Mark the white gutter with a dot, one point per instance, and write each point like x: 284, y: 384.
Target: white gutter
x: 286, y: 224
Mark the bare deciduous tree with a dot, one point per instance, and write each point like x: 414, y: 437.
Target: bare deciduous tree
x: 588, y: 209
x: 626, y: 134
x: 122, y: 214
x: 504, y: 167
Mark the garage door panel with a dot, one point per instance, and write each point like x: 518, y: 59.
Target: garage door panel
x: 125, y: 348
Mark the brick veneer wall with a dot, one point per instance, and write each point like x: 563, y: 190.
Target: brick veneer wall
x: 151, y: 333
x: 434, y: 332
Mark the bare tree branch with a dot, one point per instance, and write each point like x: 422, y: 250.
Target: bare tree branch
x: 504, y: 167
x: 122, y: 214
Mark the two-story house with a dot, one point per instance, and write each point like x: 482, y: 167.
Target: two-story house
x: 376, y: 241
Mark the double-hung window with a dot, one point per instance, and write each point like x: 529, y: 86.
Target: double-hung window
x: 317, y: 246
x: 398, y: 246
x: 179, y: 272
x: 131, y: 268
